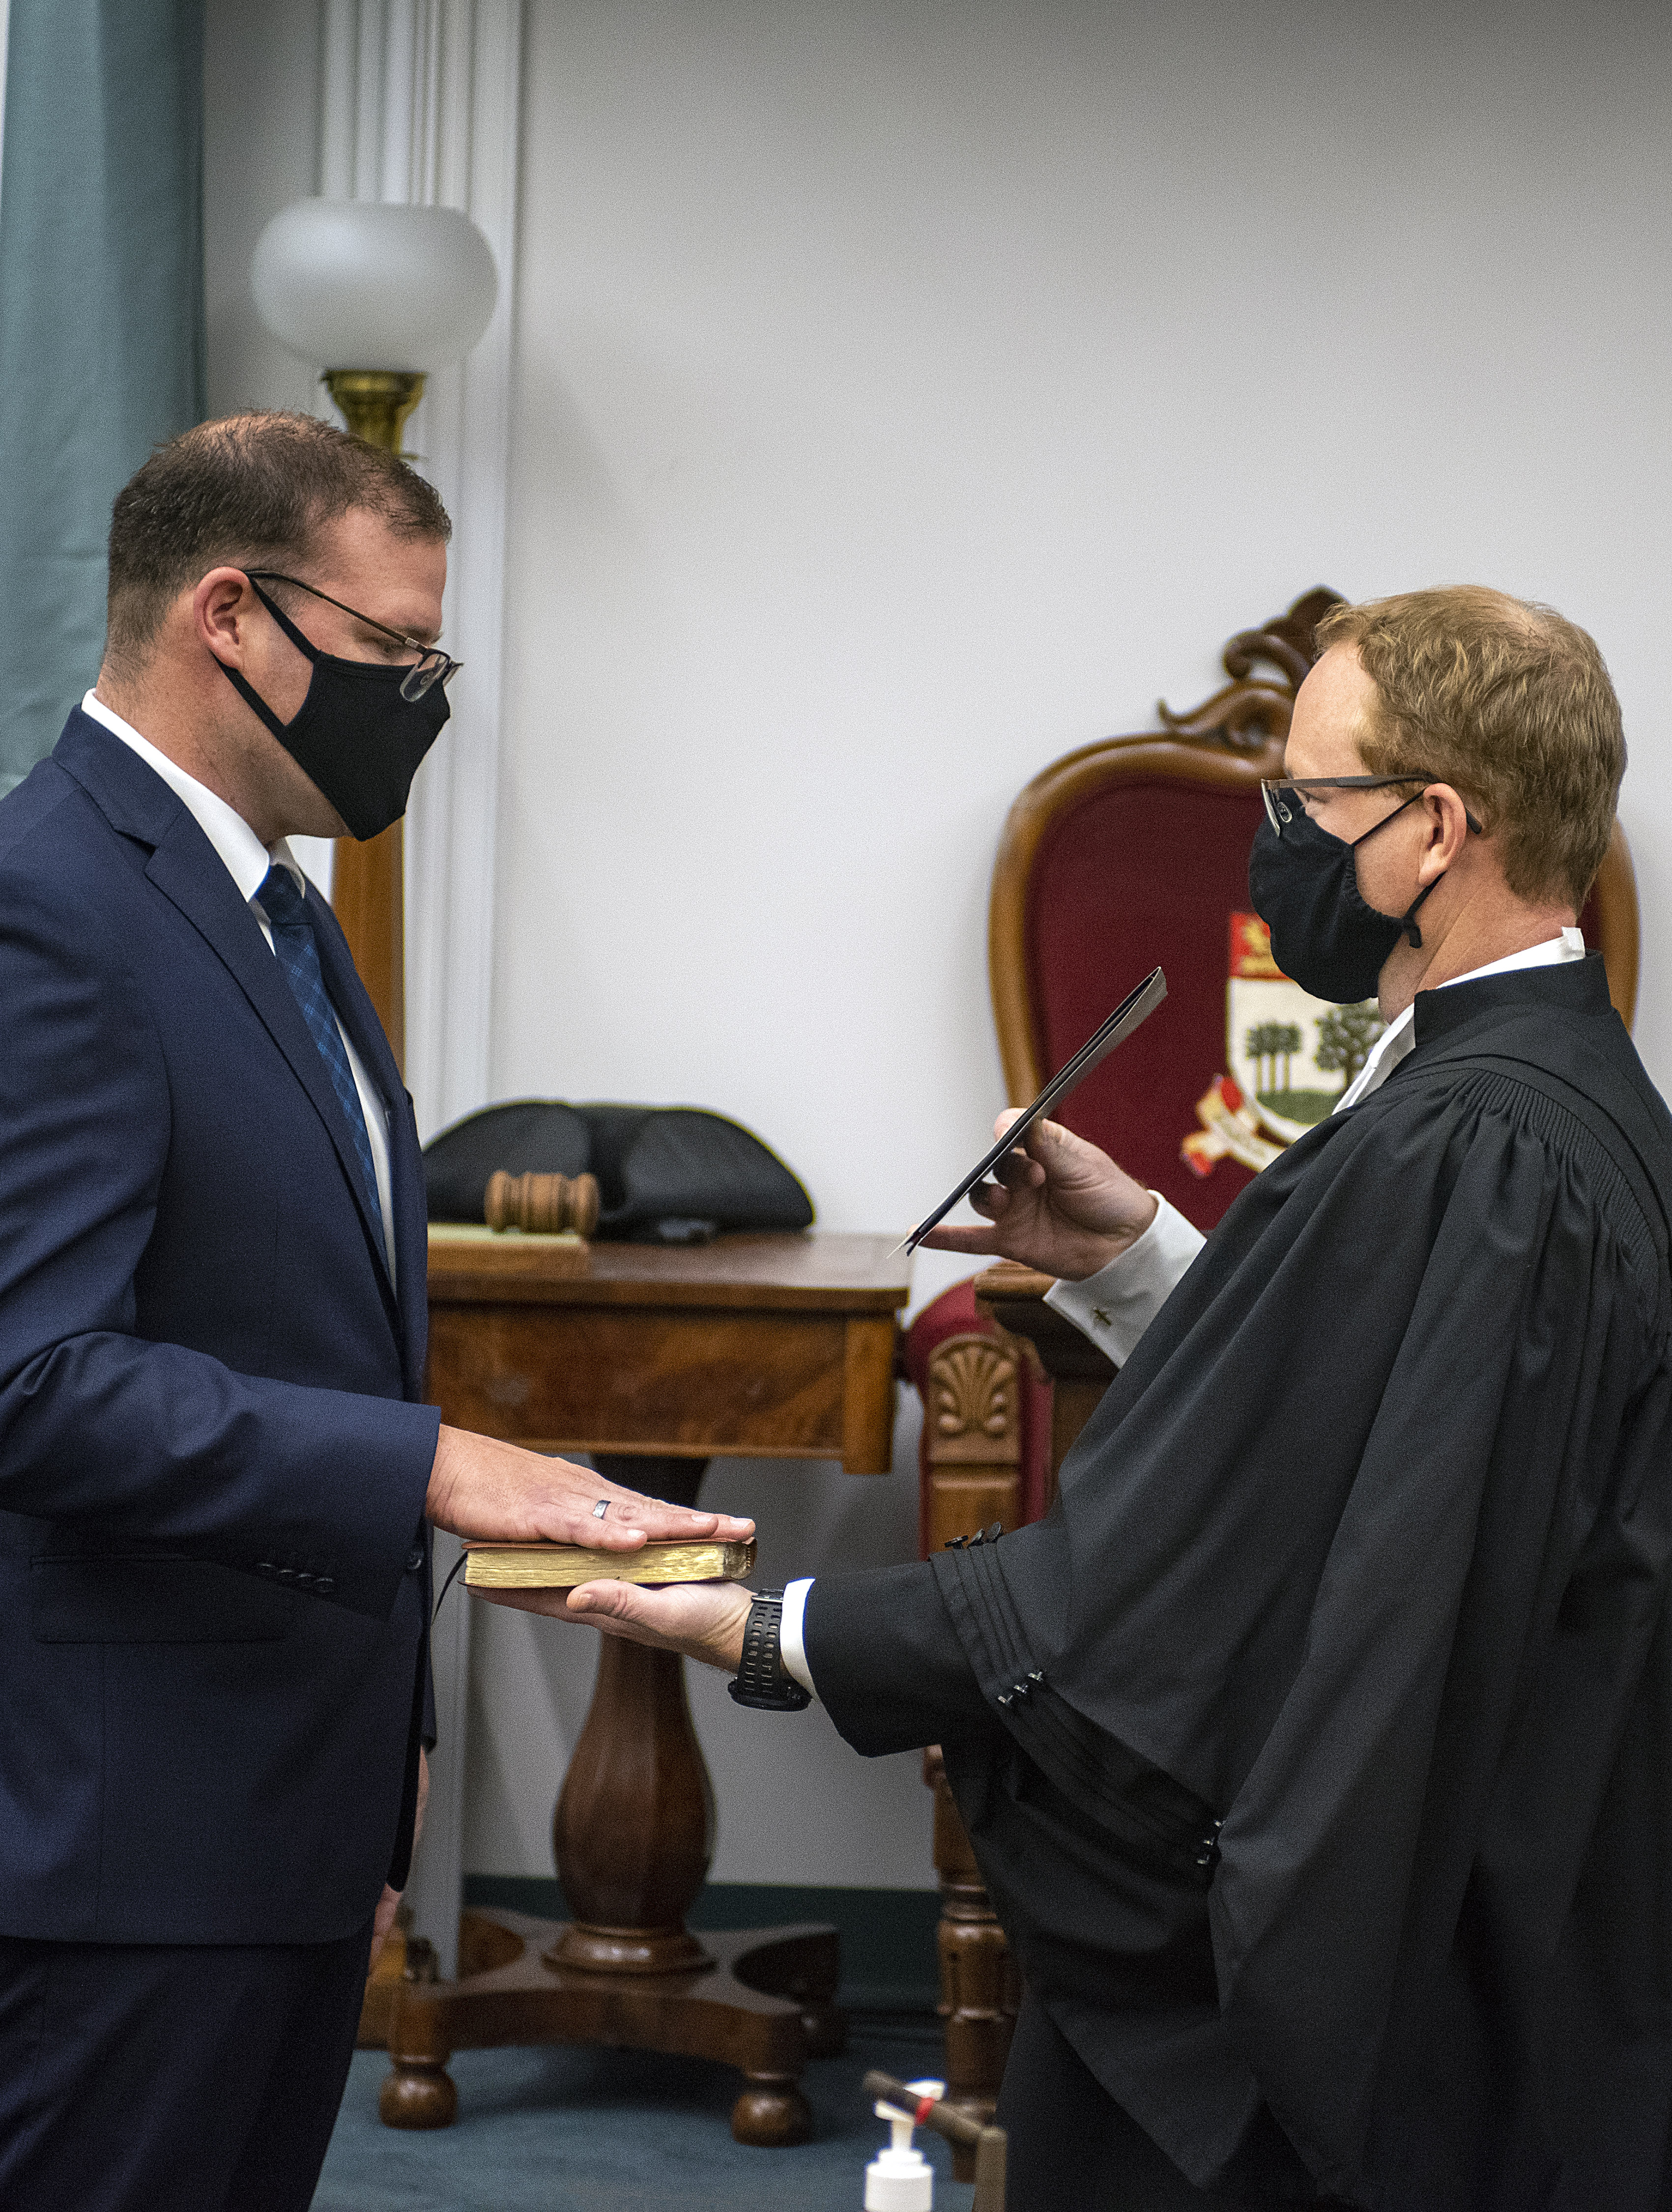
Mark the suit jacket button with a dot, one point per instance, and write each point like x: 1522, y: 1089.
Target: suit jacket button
x: 414, y: 1559
x: 286, y: 1574
x: 324, y: 1585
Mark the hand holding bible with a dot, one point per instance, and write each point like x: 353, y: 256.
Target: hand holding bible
x: 702, y: 1621
x: 498, y: 1493
x: 1059, y: 1204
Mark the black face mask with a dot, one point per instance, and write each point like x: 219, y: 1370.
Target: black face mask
x: 354, y: 737
x: 1304, y: 887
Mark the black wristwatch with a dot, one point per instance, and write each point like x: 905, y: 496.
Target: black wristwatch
x: 760, y: 1680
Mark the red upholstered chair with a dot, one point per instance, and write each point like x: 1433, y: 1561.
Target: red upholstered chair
x: 1128, y: 852
x: 1123, y: 854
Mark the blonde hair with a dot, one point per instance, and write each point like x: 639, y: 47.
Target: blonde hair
x: 1509, y: 702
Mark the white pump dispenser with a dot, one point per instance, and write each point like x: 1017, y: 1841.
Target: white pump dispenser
x: 900, y: 2178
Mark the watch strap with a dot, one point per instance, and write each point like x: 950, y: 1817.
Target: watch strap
x: 760, y: 1680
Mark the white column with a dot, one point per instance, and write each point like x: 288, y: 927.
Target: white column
x: 419, y: 101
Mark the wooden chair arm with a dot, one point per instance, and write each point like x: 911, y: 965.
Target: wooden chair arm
x: 973, y: 1437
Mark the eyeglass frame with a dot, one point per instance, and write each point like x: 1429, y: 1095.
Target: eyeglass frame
x: 1270, y: 786
x: 443, y: 675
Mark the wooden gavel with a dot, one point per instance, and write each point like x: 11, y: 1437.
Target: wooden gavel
x: 556, y: 1204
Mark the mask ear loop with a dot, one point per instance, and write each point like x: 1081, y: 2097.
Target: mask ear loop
x: 241, y: 683
x: 1407, y: 920
x: 284, y: 622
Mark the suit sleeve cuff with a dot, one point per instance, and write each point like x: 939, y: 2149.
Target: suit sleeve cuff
x: 1116, y: 1306
x: 791, y: 1651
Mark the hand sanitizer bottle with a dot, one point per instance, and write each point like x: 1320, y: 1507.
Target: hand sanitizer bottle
x: 900, y: 2178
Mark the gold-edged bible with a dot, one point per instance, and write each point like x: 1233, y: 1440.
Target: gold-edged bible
x: 565, y: 1566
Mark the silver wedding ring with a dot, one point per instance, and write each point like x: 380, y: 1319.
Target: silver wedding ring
x: 600, y: 1509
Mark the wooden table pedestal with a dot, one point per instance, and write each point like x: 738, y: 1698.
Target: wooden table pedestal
x: 632, y: 1835
x: 652, y: 1360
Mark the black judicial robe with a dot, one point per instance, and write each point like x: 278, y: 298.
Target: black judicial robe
x: 1318, y: 1748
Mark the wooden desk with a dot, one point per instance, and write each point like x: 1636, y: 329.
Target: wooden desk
x: 653, y: 1360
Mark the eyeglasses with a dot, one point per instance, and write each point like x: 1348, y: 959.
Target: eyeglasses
x: 433, y: 666
x: 1287, y: 796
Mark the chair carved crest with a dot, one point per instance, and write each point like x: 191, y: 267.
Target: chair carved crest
x: 1250, y: 713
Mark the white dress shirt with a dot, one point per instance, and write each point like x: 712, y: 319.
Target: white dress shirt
x: 1116, y: 1306
x: 247, y: 860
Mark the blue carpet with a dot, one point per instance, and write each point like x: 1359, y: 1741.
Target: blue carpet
x: 593, y: 2130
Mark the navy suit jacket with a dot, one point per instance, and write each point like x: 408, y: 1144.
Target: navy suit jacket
x: 213, y: 1462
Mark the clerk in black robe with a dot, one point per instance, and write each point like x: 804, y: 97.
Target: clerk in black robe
x: 1316, y: 1749
x: 1364, y: 1551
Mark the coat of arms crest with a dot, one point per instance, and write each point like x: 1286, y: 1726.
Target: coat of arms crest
x: 1290, y: 1058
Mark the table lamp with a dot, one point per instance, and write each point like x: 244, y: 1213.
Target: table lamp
x: 376, y: 295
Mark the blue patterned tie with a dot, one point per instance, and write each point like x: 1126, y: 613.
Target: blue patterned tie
x: 299, y: 956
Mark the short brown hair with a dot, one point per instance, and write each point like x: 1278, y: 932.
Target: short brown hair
x: 248, y: 491
x: 1509, y: 702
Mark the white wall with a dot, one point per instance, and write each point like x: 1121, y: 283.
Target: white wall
x: 906, y: 392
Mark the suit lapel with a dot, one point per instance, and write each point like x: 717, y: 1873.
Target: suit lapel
x: 359, y: 1017
x: 189, y: 874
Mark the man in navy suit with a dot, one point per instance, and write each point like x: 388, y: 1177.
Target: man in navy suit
x: 215, y: 1473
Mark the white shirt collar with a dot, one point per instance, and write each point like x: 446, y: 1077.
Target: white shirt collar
x: 1399, y: 1038
x: 247, y: 859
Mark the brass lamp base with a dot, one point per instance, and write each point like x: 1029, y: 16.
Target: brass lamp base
x: 366, y: 887
x: 376, y: 402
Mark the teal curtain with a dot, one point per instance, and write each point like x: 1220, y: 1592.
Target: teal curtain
x: 101, y: 319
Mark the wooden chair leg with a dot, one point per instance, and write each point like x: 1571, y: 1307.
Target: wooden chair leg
x: 418, y: 2091
x: 972, y: 1476
x: 980, y: 1988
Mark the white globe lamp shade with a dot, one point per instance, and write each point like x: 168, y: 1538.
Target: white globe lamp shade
x: 356, y: 284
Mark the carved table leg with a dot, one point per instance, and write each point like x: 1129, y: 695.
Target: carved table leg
x: 633, y: 1833
x: 980, y: 1988
x: 770, y: 2112
x: 418, y: 2091
x: 634, y: 1829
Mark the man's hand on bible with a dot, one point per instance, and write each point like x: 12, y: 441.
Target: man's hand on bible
x: 498, y: 1493
x: 1060, y: 1206
x: 704, y: 1620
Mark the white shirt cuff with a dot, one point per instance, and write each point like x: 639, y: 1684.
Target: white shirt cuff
x: 792, y: 1652
x: 1116, y: 1306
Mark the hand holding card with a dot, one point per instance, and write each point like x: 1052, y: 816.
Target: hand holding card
x: 1126, y: 1017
